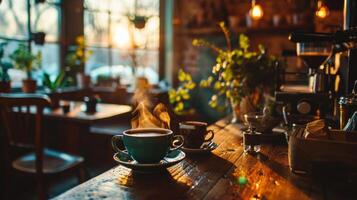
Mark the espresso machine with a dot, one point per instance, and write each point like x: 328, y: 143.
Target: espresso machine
x: 323, y: 148
x: 318, y: 99
x: 316, y: 148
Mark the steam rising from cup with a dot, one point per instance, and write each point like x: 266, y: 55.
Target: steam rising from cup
x: 143, y: 117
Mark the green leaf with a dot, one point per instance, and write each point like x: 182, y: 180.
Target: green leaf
x: 243, y: 42
x: 53, y: 85
x: 204, y: 43
x: 59, y: 80
x: 47, y: 81
x: 261, y: 49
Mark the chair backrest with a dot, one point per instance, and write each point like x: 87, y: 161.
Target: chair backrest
x: 18, y: 112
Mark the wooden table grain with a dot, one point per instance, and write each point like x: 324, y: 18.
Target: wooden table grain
x: 216, y: 176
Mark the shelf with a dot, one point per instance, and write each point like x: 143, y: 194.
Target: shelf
x: 281, y: 30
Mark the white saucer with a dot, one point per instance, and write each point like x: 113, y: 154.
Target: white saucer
x: 205, y: 148
x: 171, y: 159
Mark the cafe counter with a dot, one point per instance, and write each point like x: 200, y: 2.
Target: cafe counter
x: 225, y: 173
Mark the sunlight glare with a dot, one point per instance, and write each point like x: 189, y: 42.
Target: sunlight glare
x: 121, y: 37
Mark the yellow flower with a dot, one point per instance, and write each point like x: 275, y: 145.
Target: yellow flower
x: 179, y: 107
x: 178, y: 98
x: 181, y: 75
x: 186, y: 96
x: 80, y: 40
x: 213, y: 102
x: 191, y: 85
x: 203, y: 83
x: 217, y: 85
x: 79, y: 53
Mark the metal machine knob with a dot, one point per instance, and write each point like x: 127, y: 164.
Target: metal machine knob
x: 303, y: 107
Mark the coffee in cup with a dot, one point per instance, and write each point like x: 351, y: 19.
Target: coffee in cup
x: 148, y: 145
x: 195, y: 133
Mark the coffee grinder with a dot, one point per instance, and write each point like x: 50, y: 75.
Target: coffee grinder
x: 303, y: 104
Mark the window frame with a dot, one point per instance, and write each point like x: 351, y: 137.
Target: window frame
x: 110, y: 48
x: 29, y: 39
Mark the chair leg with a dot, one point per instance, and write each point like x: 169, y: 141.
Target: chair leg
x: 41, y: 188
x: 7, y: 182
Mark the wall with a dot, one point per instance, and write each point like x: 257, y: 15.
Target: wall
x: 200, y: 18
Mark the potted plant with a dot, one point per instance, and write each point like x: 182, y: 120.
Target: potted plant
x: 5, y: 83
x: 53, y: 85
x: 239, y: 77
x: 24, y: 60
x: 138, y: 21
x: 76, y: 60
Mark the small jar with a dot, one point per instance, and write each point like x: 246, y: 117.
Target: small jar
x: 91, y: 104
x: 251, y: 141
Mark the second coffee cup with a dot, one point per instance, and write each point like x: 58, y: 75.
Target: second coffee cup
x: 194, y: 133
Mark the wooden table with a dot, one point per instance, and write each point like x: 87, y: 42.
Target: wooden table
x: 77, y: 114
x: 73, y: 127
x: 216, y: 176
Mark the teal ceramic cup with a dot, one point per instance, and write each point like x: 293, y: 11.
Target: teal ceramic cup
x: 148, y: 145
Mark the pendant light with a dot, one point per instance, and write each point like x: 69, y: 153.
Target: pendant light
x: 322, y: 10
x: 256, y: 11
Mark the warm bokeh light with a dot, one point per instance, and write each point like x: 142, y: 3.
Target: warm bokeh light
x: 256, y: 12
x: 126, y: 36
x: 322, y: 10
x: 121, y: 37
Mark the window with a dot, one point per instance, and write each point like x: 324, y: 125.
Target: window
x: 118, y: 47
x: 45, y: 17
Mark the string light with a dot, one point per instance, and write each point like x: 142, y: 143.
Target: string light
x: 322, y: 10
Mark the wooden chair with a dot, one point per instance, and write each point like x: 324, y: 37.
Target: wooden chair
x: 21, y: 114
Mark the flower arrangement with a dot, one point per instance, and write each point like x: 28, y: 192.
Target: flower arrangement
x: 75, y: 60
x: 238, y: 77
x: 79, y: 55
